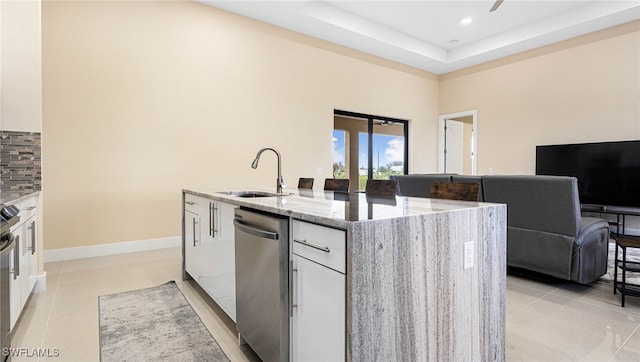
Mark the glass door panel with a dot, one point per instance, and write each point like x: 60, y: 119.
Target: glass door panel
x: 388, y: 150
x: 363, y: 160
x: 340, y: 169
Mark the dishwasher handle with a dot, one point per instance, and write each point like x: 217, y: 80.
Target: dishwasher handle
x: 255, y: 231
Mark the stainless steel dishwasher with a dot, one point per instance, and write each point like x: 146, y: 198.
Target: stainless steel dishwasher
x: 262, y: 283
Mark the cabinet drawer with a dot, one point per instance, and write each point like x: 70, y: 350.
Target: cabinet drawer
x: 191, y: 203
x: 324, y: 245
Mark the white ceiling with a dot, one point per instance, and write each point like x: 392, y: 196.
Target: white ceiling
x: 428, y: 35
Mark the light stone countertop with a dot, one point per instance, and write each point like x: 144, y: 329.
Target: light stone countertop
x: 14, y: 197
x: 338, y: 209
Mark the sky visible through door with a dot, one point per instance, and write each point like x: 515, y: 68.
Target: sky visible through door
x: 388, y: 152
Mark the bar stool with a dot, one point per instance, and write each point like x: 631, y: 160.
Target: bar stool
x: 623, y: 242
x: 461, y: 191
x: 336, y: 184
x: 305, y: 183
x: 381, y: 188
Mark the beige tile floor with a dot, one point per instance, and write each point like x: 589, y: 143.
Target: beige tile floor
x: 547, y: 320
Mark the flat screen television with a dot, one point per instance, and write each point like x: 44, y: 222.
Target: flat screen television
x: 608, y: 173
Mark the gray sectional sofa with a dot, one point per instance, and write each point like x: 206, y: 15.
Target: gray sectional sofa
x: 545, y: 230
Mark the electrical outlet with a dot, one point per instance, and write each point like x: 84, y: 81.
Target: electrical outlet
x: 469, y: 251
x: 319, y: 171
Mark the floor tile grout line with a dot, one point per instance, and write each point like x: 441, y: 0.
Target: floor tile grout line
x: 587, y: 302
x: 537, y: 299
x: 625, y: 342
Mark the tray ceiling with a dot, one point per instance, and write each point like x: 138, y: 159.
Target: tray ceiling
x: 429, y: 35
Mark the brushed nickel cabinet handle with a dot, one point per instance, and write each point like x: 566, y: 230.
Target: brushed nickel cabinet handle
x: 311, y: 245
x: 194, y: 231
x: 292, y: 305
x: 212, y: 219
x: 33, y: 237
x: 16, y: 259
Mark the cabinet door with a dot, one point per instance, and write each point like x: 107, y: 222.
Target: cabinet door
x: 218, y: 270
x: 191, y: 236
x: 318, y: 322
x: 33, y: 251
x: 208, y: 211
x: 25, y: 262
x: 28, y: 267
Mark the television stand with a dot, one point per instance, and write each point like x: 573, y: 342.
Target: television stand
x: 619, y: 211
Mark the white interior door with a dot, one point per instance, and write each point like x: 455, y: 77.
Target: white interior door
x: 453, y: 146
x: 458, y: 143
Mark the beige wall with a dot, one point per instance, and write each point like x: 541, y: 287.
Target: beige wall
x: 581, y: 90
x: 142, y: 99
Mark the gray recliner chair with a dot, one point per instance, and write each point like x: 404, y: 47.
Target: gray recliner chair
x: 545, y: 230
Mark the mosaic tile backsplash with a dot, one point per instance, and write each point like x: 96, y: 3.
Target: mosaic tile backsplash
x: 20, y: 162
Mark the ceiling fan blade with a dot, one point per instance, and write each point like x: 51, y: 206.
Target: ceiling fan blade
x: 496, y: 5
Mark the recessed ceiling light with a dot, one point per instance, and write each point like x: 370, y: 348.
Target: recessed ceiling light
x: 465, y: 21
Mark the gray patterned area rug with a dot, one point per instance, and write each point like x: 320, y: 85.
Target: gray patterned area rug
x: 154, y: 324
x: 632, y: 255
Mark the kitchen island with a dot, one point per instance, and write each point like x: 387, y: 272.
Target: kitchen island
x: 423, y: 279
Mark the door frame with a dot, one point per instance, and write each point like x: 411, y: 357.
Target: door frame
x: 474, y: 138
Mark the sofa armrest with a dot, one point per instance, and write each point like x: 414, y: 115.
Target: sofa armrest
x: 590, y: 251
x: 589, y: 226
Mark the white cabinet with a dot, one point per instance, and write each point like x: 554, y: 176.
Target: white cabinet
x: 23, y: 266
x: 191, y: 236
x: 27, y: 260
x: 318, y: 296
x: 209, y: 242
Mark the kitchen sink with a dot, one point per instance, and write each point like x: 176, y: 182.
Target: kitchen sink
x: 249, y: 193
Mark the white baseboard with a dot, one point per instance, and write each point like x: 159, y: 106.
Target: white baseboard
x: 110, y: 249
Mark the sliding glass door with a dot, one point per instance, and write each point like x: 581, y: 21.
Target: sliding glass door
x: 368, y: 147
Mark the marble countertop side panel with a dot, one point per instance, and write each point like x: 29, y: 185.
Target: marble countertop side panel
x: 410, y: 297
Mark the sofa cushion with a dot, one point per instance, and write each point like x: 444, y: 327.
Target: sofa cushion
x: 543, y: 252
x: 543, y: 203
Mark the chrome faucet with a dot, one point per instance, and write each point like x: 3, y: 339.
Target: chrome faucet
x: 279, y: 182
